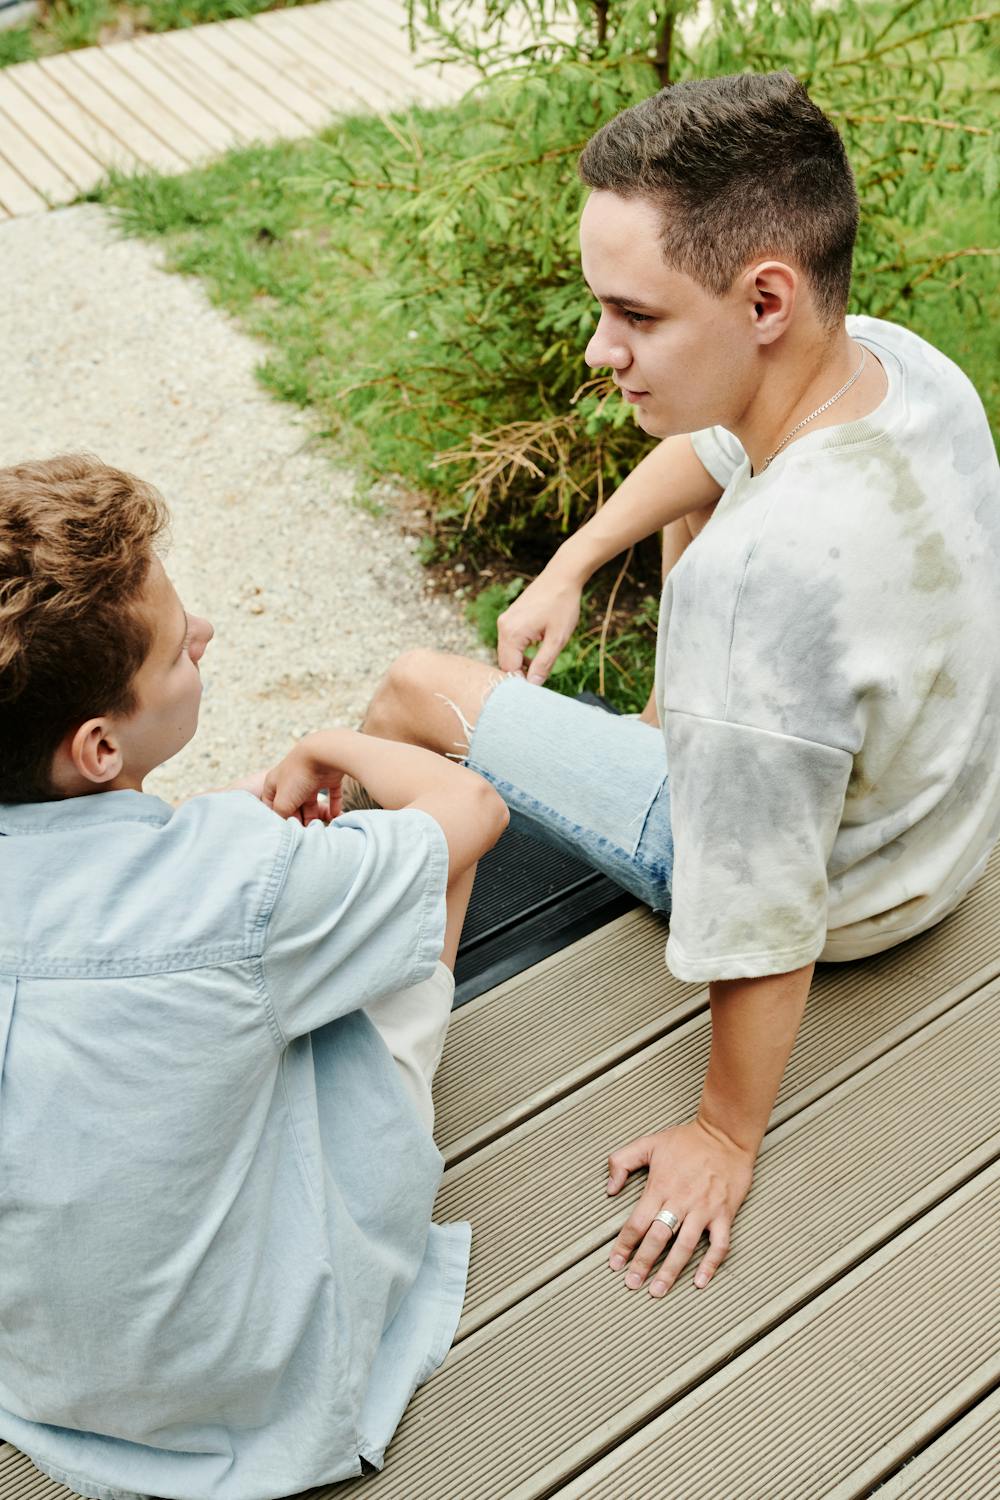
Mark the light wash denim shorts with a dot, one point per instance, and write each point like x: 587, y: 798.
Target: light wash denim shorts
x: 589, y: 782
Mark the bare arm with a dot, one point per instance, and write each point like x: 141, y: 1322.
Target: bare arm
x: 670, y: 482
x: 471, y: 814
x: 701, y: 1170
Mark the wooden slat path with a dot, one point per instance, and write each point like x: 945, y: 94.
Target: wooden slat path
x: 847, y: 1348
x: 172, y: 101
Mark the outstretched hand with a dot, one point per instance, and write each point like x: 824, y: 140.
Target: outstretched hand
x: 699, y: 1176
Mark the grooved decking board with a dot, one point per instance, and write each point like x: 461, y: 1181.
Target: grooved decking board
x: 848, y: 1022
x: 870, y: 1367
x: 518, y: 1047
x: 20, y: 1480
x: 170, y: 101
x: 548, y: 1387
x: 962, y: 1464
x: 552, y: 1027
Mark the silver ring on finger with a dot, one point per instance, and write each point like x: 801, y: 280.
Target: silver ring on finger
x: 666, y: 1217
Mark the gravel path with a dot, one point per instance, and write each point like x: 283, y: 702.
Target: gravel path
x: 311, y: 597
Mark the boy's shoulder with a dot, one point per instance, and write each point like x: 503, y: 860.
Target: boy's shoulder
x: 140, y: 884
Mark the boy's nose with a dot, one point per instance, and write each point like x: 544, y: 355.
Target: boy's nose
x: 602, y: 351
x: 202, y: 632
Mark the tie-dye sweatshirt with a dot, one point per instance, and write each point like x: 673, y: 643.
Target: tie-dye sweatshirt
x: 828, y: 679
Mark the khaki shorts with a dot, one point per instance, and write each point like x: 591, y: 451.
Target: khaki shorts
x: 413, y: 1024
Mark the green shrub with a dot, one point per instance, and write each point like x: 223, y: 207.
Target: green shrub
x: 487, y: 394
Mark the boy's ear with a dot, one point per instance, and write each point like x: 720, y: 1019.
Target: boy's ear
x: 770, y: 290
x: 95, y: 752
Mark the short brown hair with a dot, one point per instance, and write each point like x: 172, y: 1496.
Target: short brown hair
x: 742, y: 167
x: 76, y: 542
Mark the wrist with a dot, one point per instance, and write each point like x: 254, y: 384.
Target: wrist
x: 574, y: 562
x: 730, y: 1126
x: 323, y: 750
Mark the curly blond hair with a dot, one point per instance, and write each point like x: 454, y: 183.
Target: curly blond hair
x: 76, y: 542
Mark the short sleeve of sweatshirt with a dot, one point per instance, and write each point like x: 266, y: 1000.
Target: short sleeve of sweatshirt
x: 760, y: 718
x: 360, y: 913
x: 755, y: 814
x: 719, y: 451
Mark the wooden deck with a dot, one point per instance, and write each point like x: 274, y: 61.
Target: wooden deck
x: 172, y: 101
x: 849, y: 1343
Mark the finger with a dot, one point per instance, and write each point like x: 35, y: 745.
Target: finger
x: 716, y: 1253
x: 626, y: 1160
x: 268, y: 790
x: 291, y: 793
x: 653, y: 1244
x: 635, y: 1227
x: 684, y: 1246
x: 510, y: 652
x: 545, y: 658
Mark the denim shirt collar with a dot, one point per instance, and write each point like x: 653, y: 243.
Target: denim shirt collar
x: 82, y: 812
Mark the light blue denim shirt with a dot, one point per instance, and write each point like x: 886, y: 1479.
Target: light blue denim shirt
x: 218, y: 1275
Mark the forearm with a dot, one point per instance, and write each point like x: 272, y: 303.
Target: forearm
x: 670, y: 482
x: 754, y: 1026
x: 471, y: 813
x: 395, y: 774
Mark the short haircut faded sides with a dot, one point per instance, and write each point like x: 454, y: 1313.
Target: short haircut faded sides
x: 741, y: 168
x: 76, y: 543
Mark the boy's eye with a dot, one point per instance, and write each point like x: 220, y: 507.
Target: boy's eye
x: 634, y: 317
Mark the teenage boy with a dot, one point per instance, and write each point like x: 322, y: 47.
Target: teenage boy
x: 828, y: 654
x: 218, y: 1028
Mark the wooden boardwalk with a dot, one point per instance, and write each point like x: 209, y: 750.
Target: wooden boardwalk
x: 172, y: 101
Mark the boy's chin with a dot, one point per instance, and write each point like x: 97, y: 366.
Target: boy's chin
x: 656, y: 425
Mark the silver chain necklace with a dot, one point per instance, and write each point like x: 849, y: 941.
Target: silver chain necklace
x: 818, y: 412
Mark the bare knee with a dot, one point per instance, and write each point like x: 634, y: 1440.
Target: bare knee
x: 432, y: 698
x: 422, y: 694
x: 395, y: 710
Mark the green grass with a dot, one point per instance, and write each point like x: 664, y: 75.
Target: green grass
x: 68, y: 24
